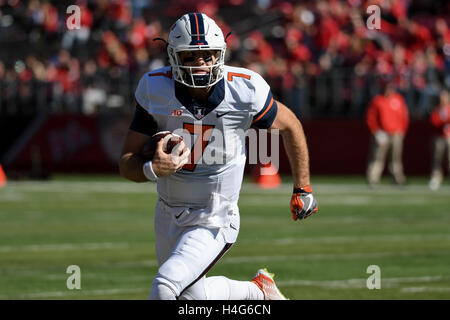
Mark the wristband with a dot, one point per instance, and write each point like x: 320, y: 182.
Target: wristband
x: 148, y: 171
x: 304, y: 189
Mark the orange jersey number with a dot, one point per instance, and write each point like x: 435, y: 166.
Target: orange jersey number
x: 234, y: 74
x: 203, y: 133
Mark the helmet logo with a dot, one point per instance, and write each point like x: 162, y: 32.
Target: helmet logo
x: 197, y: 29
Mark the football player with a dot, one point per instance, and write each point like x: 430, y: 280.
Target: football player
x: 196, y: 215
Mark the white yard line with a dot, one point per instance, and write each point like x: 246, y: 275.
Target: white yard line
x: 278, y: 241
x: 266, y: 259
x: 359, y: 239
x: 80, y: 187
x: 64, y: 247
x: 74, y: 293
x: 339, y: 199
x: 314, y: 257
x: 330, y: 284
x: 358, y: 283
x: 247, y: 188
x: 425, y: 289
x: 153, y: 263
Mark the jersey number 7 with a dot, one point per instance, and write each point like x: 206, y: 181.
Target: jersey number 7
x: 203, y: 133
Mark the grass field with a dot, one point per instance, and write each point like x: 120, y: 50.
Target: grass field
x: 105, y: 226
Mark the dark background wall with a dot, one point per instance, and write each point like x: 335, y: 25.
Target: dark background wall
x: 77, y: 143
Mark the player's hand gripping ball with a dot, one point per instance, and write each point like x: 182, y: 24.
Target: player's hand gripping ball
x: 303, y: 203
x: 171, y: 140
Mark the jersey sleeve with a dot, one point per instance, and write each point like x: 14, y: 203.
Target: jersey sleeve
x: 264, y: 106
x: 141, y: 94
x: 143, y: 122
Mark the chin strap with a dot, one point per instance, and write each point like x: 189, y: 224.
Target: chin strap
x: 201, y: 79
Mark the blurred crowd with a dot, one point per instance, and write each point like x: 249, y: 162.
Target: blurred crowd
x: 318, y: 56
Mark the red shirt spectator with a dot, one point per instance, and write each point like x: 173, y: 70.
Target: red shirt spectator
x: 138, y: 34
x: 440, y: 119
x: 86, y: 19
x: 120, y: 10
x: 51, y: 23
x: 388, y: 113
x: 327, y: 30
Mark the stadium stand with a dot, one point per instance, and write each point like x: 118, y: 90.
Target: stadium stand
x: 318, y: 56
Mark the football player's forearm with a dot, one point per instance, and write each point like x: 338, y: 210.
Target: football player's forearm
x: 297, y: 151
x: 291, y: 130
x: 130, y: 167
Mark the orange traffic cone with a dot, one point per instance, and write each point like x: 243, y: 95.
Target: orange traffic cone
x: 2, y: 177
x: 266, y: 176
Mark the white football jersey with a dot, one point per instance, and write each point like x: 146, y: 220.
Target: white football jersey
x: 214, y: 131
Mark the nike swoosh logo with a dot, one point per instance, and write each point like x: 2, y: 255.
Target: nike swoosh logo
x: 179, y: 215
x: 218, y: 115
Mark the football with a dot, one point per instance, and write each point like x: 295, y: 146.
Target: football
x: 170, y: 141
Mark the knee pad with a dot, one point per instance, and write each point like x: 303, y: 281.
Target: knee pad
x: 173, y: 276
x: 162, y: 290
x: 195, y: 292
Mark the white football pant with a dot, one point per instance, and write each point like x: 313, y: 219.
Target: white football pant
x: 186, y: 253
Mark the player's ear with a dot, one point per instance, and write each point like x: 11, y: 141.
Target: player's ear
x: 228, y: 34
x: 161, y: 39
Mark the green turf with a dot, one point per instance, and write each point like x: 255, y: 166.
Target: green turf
x: 105, y: 226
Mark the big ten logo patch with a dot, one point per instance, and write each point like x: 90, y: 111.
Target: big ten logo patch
x: 176, y: 113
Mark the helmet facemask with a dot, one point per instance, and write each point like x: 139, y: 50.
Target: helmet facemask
x: 186, y: 74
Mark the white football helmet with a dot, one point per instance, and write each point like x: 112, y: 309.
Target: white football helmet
x: 192, y: 32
